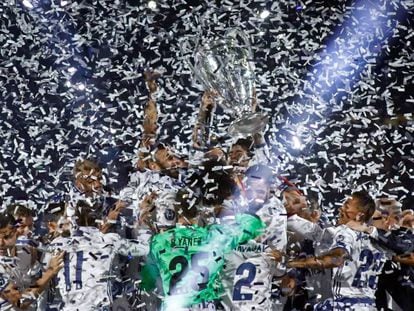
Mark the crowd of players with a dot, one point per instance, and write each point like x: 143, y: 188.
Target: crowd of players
x: 218, y: 231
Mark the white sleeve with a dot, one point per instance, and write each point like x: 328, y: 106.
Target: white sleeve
x: 305, y: 229
x: 135, y: 248
x: 343, y: 239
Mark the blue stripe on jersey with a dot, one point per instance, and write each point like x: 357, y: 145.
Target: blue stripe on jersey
x: 66, y: 271
x: 78, y: 275
x: 337, y: 282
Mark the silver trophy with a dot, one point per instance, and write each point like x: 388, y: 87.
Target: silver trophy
x: 224, y: 65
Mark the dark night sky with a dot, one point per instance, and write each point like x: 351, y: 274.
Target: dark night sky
x: 338, y: 75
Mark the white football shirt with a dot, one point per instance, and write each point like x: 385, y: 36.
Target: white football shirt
x: 84, y: 281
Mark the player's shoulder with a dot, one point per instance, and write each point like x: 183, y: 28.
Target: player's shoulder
x: 88, y: 231
x: 344, y: 229
x: 60, y: 243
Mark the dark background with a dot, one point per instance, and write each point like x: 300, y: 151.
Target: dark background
x: 338, y: 75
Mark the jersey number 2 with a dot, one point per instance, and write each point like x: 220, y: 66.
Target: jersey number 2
x: 247, y: 281
x: 370, y: 262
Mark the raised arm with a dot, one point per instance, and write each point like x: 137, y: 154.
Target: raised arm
x: 200, y: 131
x: 150, y: 123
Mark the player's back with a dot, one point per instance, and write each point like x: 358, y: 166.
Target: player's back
x: 274, y: 215
x: 83, y: 281
x: 249, y: 269
x: 358, y: 276
x: 190, y: 259
x: 247, y: 277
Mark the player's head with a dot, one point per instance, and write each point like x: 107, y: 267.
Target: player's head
x: 55, y: 220
x: 8, y: 234
x: 240, y: 152
x: 258, y: 179
x: 23, y: 216
x: 387, y: 214
x: 311, y: 212
x: 88, y: 215
x: 88, y: 177
x: 293, y: 199
x: 146, y: 162
x: 167, y: 159
x: 359, y: 207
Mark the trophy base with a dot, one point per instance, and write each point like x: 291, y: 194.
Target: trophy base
x: 248, y: 125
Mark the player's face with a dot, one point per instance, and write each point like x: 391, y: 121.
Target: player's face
x: 8, y: 237
x: 89, y: 183
x: 166, y: 159
x: 238, y: 156
x: 215, y: 154
x: 393, y: 220
x: 294, y: 202
x: 25, y: 224
x: 257, y: 192
x: 349, y: 211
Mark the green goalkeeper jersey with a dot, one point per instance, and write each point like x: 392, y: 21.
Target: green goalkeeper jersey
x: 189, y: 258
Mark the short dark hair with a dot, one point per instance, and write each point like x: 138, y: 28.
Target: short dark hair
x: 366, y: 204
x: 6, y: 220
x: 19, y: 210
x: 54, y: 211
x: 245, y: 143
x: 86, y: 165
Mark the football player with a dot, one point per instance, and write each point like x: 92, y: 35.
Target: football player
x: 21, y: 279
x: 356, y: 263
x: 250, y: 268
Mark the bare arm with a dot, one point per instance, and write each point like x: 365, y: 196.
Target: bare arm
x: 150, y: 123
x: 200, y: 134
x: 406, y: 259
x: 334, y: 258
x: 112, y: 216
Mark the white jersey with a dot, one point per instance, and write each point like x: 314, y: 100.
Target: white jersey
x: 305, y: 229
x: 249, y: 269
x: 143, y: 183
x: 84, y: 280
x: 274, y: 215
x: 318, y: 282
x: 247, y: 278
x: 358, y: 276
